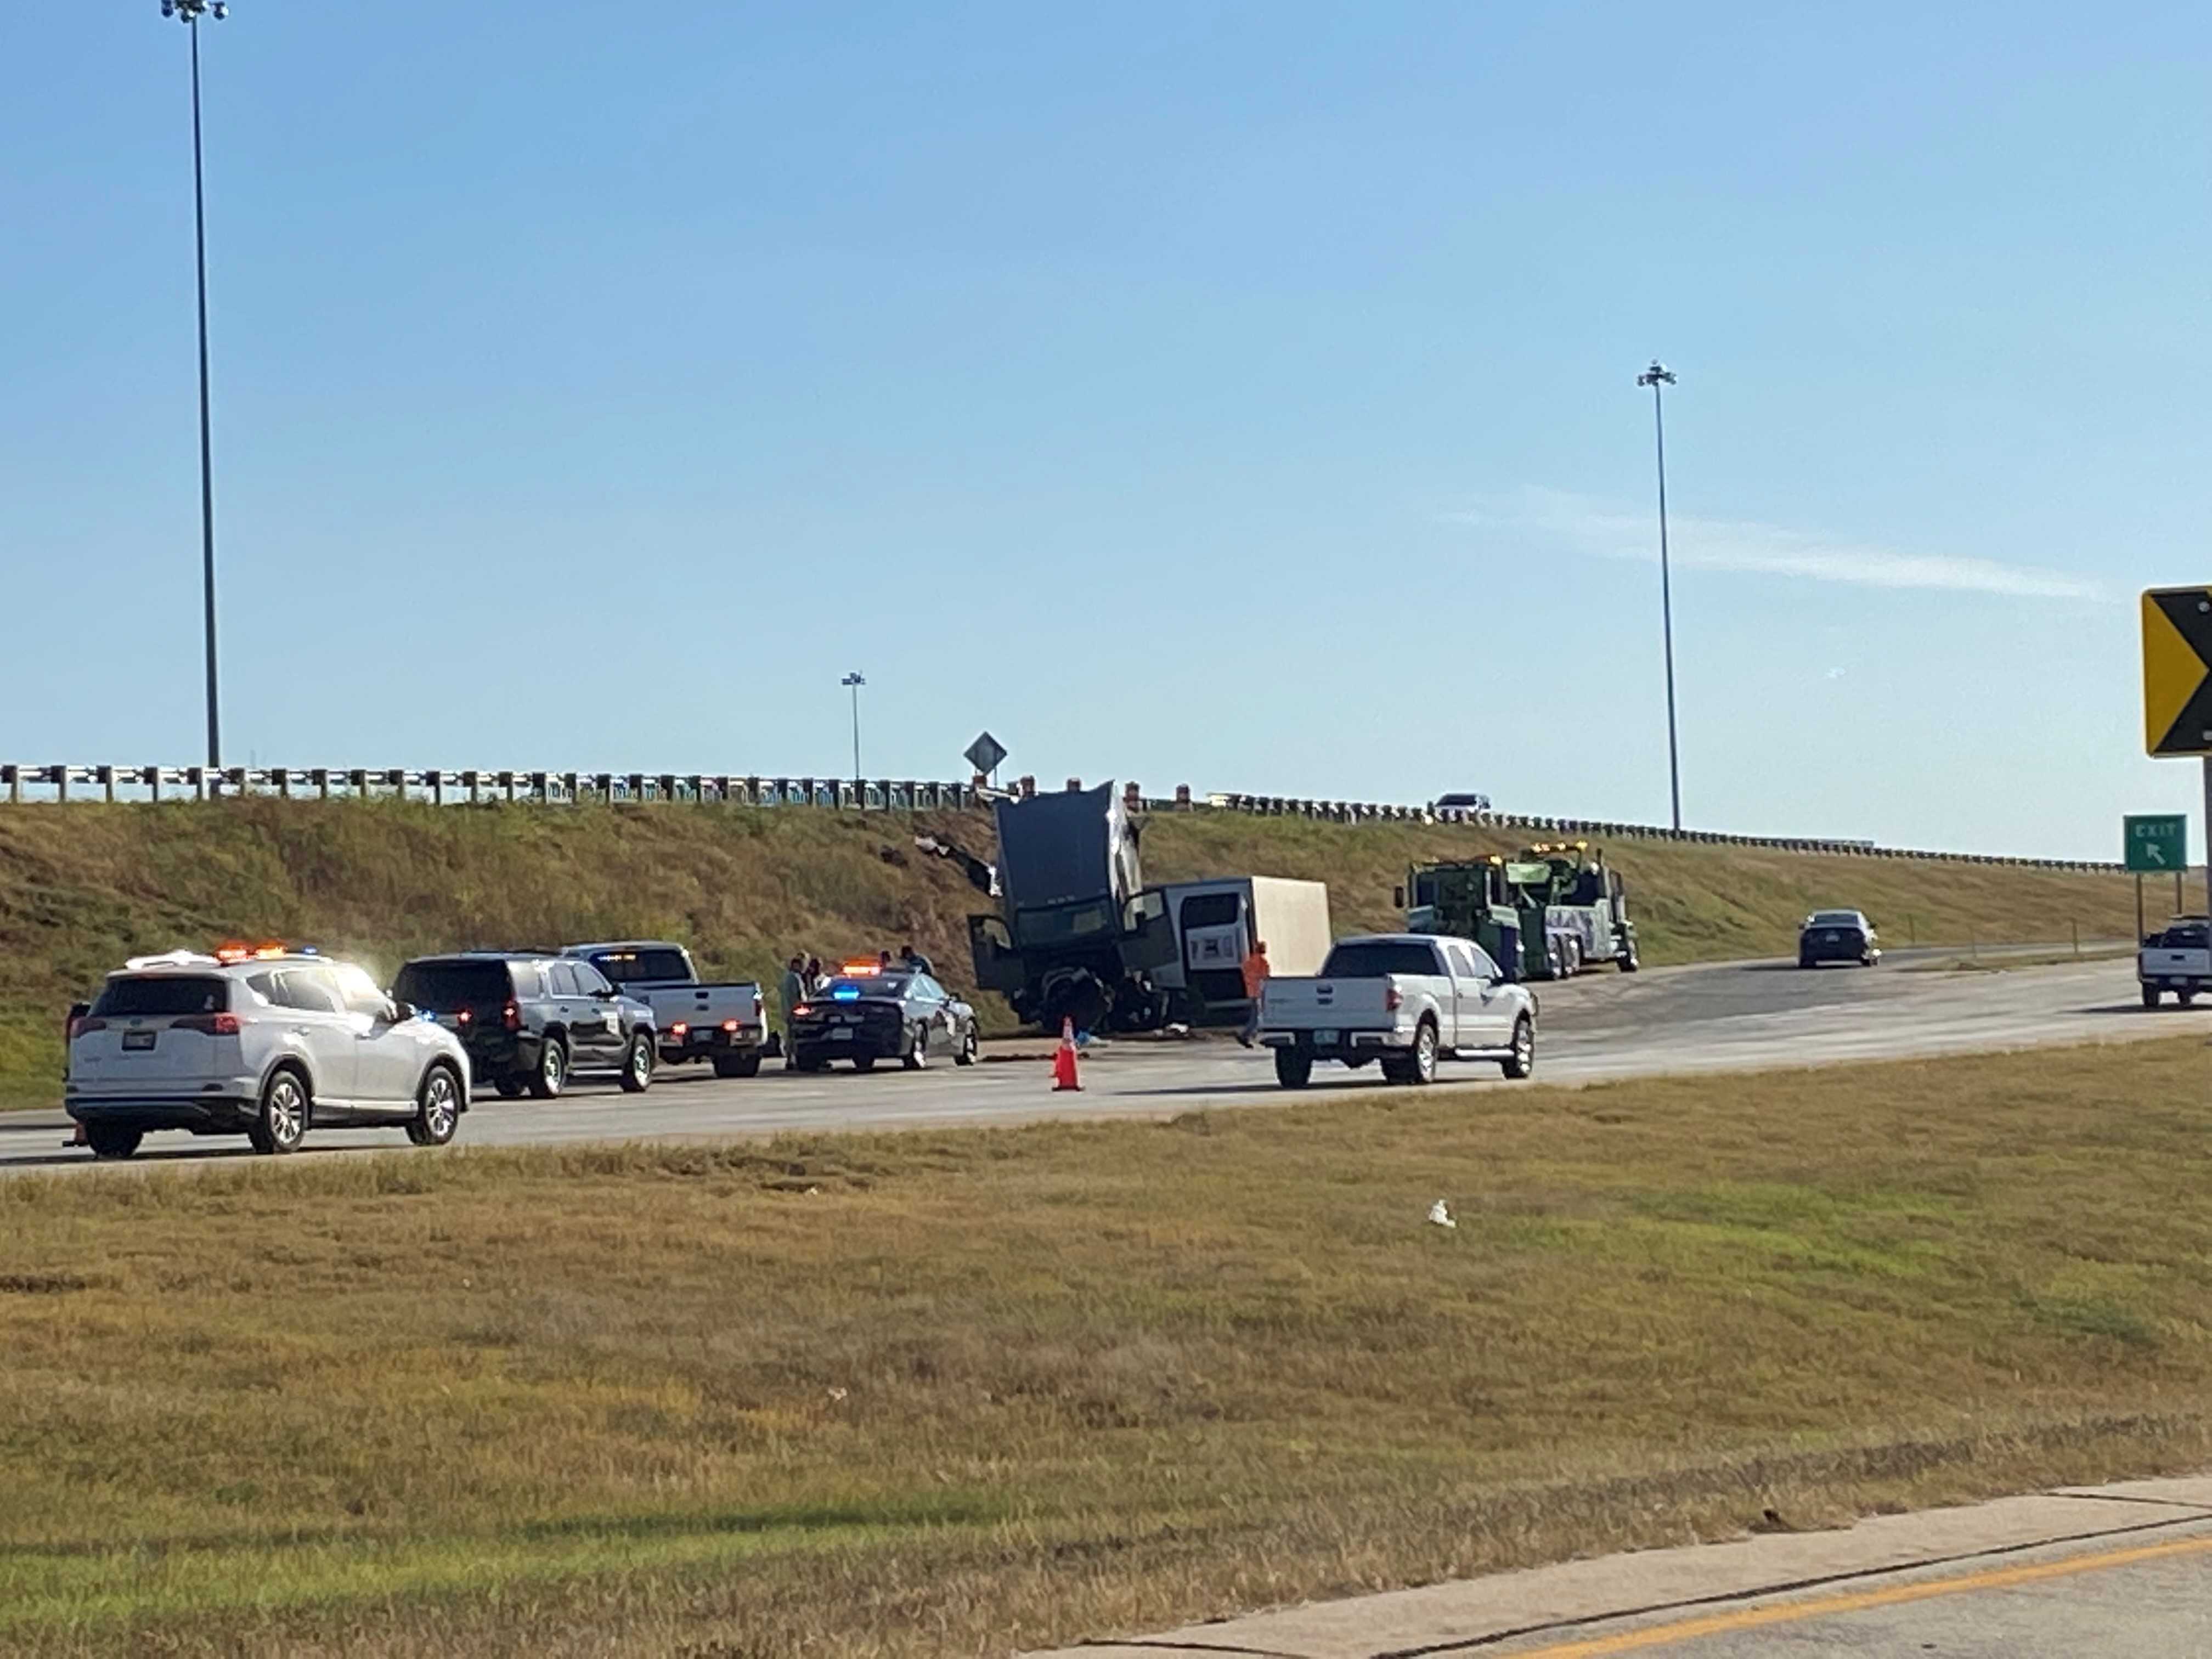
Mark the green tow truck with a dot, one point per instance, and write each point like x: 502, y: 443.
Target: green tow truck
x: 1546, y: 913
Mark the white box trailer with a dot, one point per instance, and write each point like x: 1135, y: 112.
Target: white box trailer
x: 1217, y: 920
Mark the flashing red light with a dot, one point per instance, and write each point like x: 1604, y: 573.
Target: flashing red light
x: 233, y: 951
x: 511, y: 1016
x: 860, y: 969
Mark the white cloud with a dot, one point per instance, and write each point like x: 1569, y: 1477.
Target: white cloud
x: 1593, y: 528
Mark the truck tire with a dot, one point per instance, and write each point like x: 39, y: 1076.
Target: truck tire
x: 112, y: 1140
x: 1417, y: 1067
x: 1293, y: 1067
x: 2185, y: 998
x: 2150, y: 996
x: 746, y: 1065
x: 1627, y: 958
x: 966, y: 1054
x: 1522, y: 1060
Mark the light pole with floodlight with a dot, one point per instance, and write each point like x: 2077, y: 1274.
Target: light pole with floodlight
x: 1656, y: 376
x: 189, y: 12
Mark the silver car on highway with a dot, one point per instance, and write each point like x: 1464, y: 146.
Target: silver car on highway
x: 264, y: 1042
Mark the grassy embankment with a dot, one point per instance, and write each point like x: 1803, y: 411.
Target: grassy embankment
x: 961, y: 1393
x: 83, y: 886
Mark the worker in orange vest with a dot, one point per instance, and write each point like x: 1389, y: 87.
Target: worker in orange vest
x: 1255, y: 976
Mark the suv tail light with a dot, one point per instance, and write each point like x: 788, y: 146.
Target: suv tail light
x: 80, y: 1024
x: 1391, y: 999
x: 511, y: 1016
x: 212, y: 1024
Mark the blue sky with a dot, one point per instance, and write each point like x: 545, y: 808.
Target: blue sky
x: 1235, y: 395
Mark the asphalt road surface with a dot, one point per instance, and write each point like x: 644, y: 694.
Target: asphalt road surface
x: 1605, y: 1024
x: 2123, y: 1570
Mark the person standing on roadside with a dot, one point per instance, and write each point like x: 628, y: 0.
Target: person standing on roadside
x: 794, y: 993
x: 915, y: 963
x: 814, y: 977
x: 1255, y: 979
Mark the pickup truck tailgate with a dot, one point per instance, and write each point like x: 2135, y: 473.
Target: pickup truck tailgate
x: 2165, y: 963
x: 1301, y: 1003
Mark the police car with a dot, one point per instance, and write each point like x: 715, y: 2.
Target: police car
x: 260, y: 1041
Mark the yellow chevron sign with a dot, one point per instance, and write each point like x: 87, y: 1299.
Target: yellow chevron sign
x: 2176, y: 657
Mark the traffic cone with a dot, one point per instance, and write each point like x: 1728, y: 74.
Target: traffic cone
x: 1063, y: 1063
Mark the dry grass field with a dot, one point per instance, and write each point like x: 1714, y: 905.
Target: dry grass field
x: 85, y: 885
x: 963, y: 1393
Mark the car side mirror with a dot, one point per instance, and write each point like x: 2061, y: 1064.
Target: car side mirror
x: 606, y: 993
x: 1397, y: 898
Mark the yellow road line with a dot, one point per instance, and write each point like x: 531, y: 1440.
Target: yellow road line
x: 1788, y: 1612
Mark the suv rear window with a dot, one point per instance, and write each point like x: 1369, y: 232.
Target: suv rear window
x: 1375, y: 959
x: 447, y: 987
x: 627, y: 967
x: 167, y: 994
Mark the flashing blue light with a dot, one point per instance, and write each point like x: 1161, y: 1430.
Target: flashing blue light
x: 846, y: 994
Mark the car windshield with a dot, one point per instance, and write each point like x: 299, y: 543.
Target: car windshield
x: 642, y: 966
x: 1376, y: 958
x: 447, y: 986
x: 165, y: 994
x: 870, y: 988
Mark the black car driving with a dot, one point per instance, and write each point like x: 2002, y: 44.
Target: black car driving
x: 867, y: 1013
x: 1836, y: 936
x: 531, y: 1019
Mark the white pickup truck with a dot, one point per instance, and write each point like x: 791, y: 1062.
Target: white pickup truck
x: 1405, y: 999
x: 723, y: 1023
x: 2178, y: 959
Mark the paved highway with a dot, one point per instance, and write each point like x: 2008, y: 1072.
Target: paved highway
x: 2124, y: 1571
x: 1731, y: 1016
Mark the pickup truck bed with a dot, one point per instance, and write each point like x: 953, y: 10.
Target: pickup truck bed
x: 723, y: 1021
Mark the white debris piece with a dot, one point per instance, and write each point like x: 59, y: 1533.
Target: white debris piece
x: 1440, y: 1216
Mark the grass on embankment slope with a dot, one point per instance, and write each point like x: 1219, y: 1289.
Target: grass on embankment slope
x: 83, y: 886
x: 968, y: 1392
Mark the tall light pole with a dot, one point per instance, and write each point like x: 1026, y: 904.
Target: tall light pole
x: 853, y: 682
x: 190, y: 12
x: 1656, y: 376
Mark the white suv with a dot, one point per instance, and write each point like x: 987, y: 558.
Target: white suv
x: 260, y: 1043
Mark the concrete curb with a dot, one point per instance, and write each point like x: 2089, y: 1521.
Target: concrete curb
x: 1475, y: 1613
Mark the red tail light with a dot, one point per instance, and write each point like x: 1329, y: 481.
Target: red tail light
x: 679, y: 1029
x: 729, y: 1025
x: 83, y: 1023
x: 1391, y: 999
x: 212, y: 1025
x: 463, y: 1017
x: 511, y: 1016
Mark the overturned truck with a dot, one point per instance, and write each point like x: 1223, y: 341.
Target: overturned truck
x: 1080, y: 937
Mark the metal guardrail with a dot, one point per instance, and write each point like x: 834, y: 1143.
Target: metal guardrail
x: 154, y: 783
x: 22, y: 784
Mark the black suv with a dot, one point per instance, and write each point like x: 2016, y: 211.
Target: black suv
x: 530, y: 1018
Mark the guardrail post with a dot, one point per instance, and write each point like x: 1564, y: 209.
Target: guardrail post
x: 60, y: 775
x: 357, y: 780
x: 105, y: 777
x: 436, y: 781
x: 506, y: 786
x: 152, y: 777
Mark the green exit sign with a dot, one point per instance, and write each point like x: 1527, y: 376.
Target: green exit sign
x: 2157, y: 842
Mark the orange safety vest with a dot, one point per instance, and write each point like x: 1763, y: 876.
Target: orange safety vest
x: 1256, y: 970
